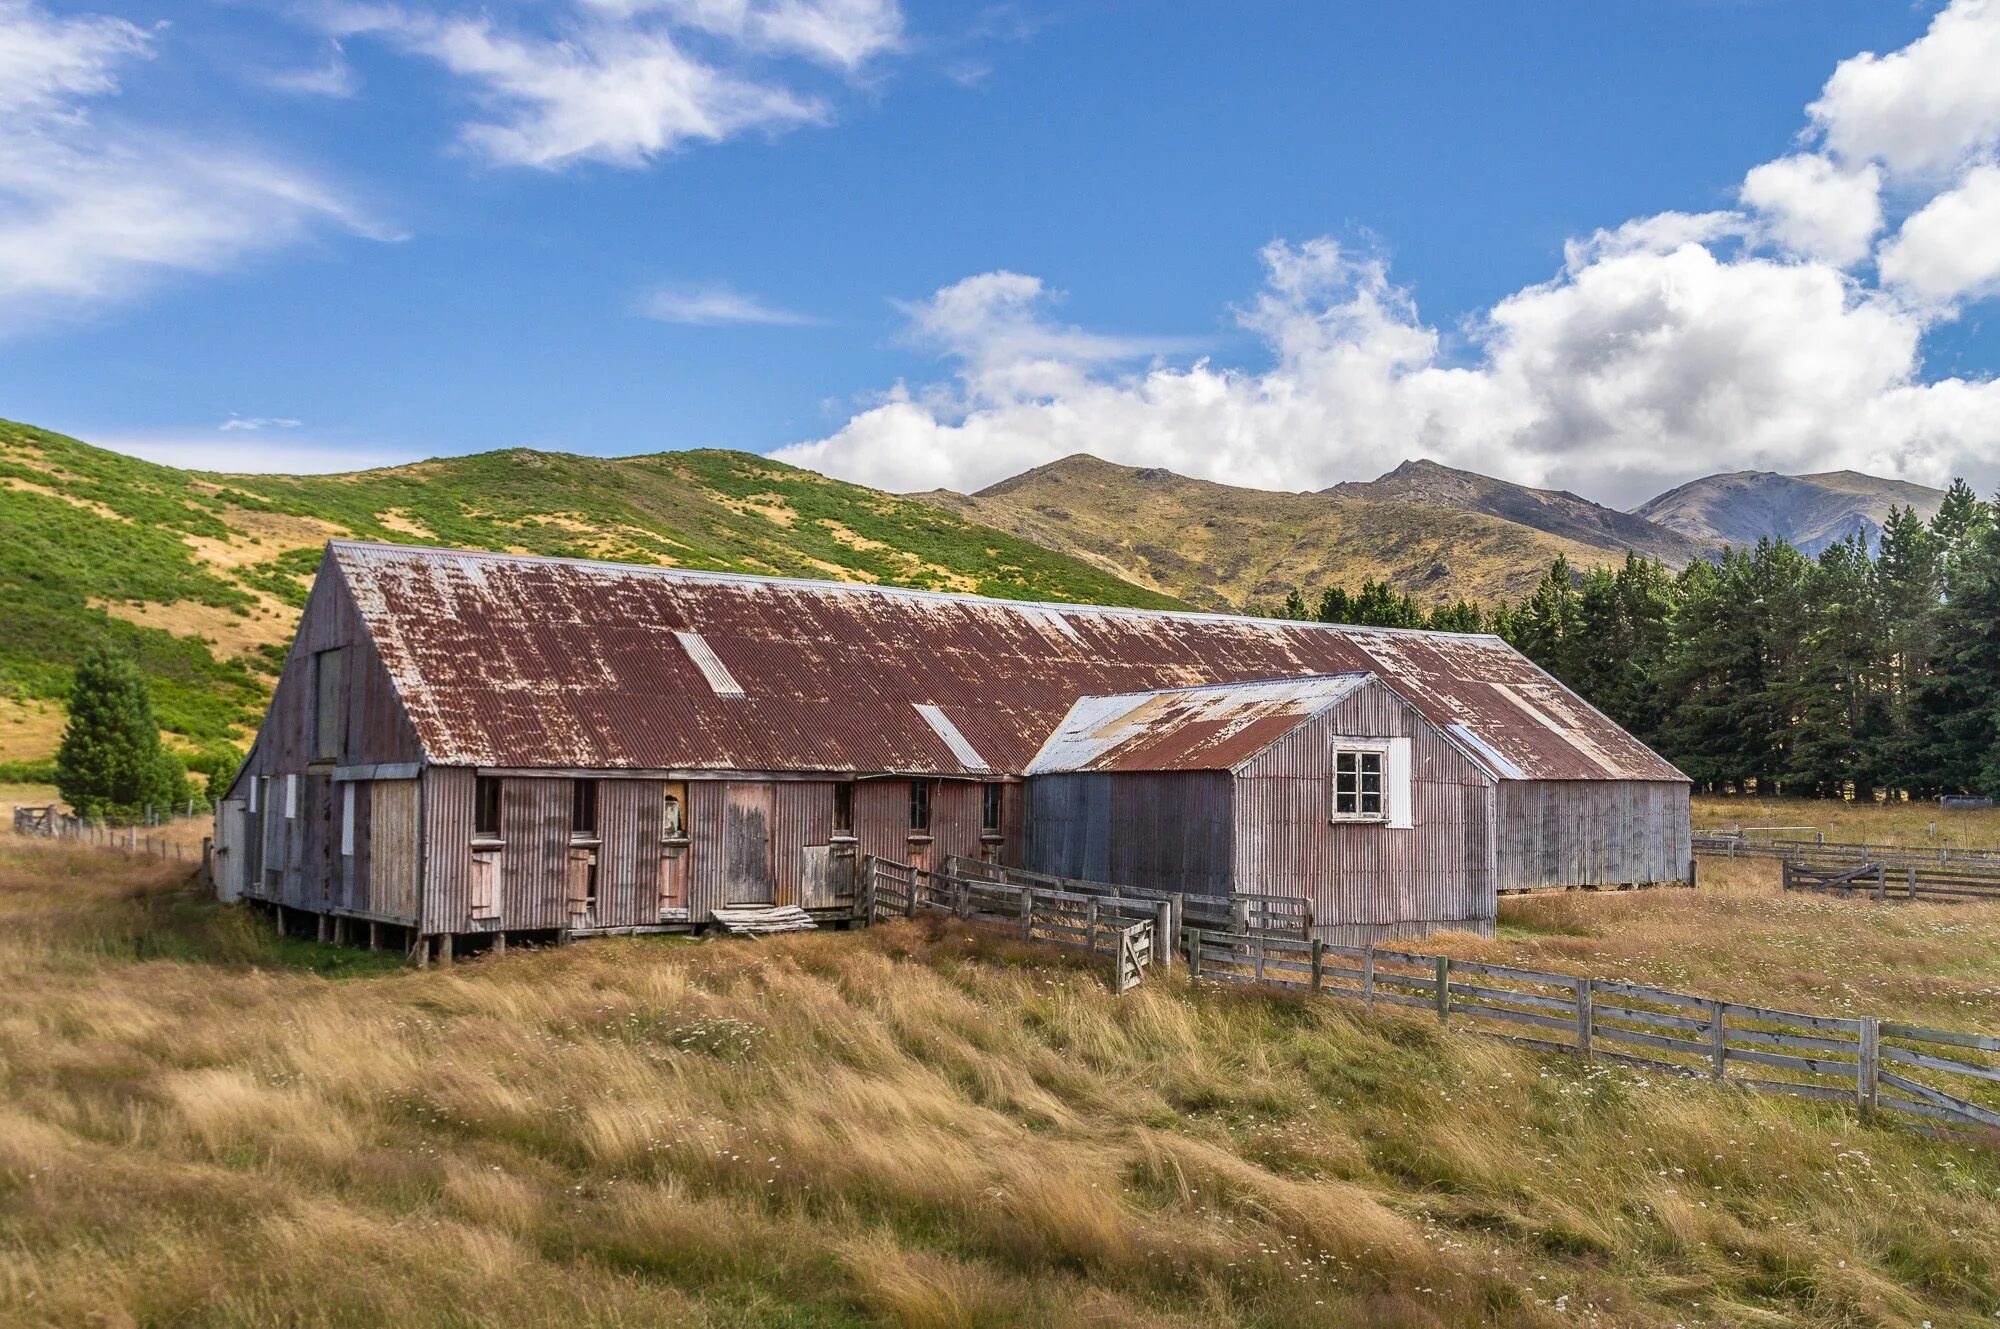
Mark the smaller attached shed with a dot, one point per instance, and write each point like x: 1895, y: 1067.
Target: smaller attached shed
x: 1333, y: 787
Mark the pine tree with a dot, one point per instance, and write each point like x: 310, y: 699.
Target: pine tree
x: 110, y: 762
x: 1295, y: 606
x: 1909, y: 585
x: 1958, y: 702
x: 1335, y: 605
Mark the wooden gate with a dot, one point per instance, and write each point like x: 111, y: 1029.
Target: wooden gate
x: 747, y: 872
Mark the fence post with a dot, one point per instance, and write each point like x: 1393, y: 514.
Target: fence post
x: 1867, y: 1064
x: 1262, y: 946
x: 1194, y: 953
x: 1368, y: 977
x: 1239, y: 915
x: 1319, y: 963
x: 1163, y: 935
x: 1881, y: 881
x: 1027, y: 913
x: 1718, y: 1042
x: 1585, y: 1016
x: 1444, y: 988
x: 1179, y: 919
x: 1911, y: 881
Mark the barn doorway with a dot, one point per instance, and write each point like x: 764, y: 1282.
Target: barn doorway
x: 747, y: 844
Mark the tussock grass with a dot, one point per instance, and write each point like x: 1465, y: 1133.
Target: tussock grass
x: 913, y: 1126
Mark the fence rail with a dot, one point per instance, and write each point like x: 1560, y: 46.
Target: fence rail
x: 1731, y: 846
x: 51, y: 823
x: 1873, y: 1064
x: 1125, y: 928
x: 1283, y: 915
x: 1942, y: 882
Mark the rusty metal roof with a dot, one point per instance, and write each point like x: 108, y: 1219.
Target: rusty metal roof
x: 1215, y: 727
x: 516, y: 661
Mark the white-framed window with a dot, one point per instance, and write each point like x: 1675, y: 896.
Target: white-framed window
x: 1360, y: 783
x: 291, y: 797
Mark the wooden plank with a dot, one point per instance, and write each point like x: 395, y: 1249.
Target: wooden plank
x: 1946, y: 1064
x: 1530, y: 999
x: 1660, y: 1041
x: 1785, y: 1061
x: 1515, y: 1017
x: 1796, y: 1042
x: 1509, y: 971
x: 1657, y: 1019
x: 1949, y: 1102
x: 1646, y: 993
x: 1923, y: 1034
x: 1834, y: 1023
x: 1832, y: 1093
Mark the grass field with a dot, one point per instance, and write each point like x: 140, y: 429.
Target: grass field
x: 1919, y: 824
x: 202, y: 1126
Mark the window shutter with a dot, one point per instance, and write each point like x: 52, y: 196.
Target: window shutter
x: 485, y: 885
x: 291, y: 797
x: 579, y: 881
x: 347, y: 819
x: 1397, y: 778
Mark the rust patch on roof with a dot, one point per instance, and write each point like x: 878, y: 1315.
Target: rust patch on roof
x: 517, y: 661
x: 1210, y: 728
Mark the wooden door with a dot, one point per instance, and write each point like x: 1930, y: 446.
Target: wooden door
x: 747, y: 860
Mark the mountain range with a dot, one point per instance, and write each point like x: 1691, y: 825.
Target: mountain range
x: 201, y: 576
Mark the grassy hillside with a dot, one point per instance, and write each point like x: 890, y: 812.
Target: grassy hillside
x: 201, y: 576
x: 200, y: 1126
x: 1222, y: 547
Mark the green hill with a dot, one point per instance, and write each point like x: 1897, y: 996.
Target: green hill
x: 201, y: 575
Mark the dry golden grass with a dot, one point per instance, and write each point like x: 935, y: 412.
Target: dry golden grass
x: 1922, y: 825
x: 911, y: 1127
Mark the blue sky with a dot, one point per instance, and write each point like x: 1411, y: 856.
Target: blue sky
x: 1283, y: 244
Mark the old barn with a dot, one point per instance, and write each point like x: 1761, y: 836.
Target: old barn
x: 488, y: 744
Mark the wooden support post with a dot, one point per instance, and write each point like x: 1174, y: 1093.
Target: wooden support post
x: 1694, y: 868
x: 374, y: 935
x: 1239, y: 915
x: 420, y: 951
x: 1319, y: 964
x: 1179, y: 919
x: 499, y: 943
x: 278, y: 919
x: 1585, y: 1017
x: 1163, y: 935
x: 1027, y: 912
x: 1444, y: 988
x: 444, y: 948
x: 340, y: 929
x: 1867, y: 1065
x: 320, y: 928
x: 1718, y: 1043
x: 1368, y: 977
x: 1194, y: 952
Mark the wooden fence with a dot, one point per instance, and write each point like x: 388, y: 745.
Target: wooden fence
x: 1129, y: 930
x: 1937, y: 882
x: 1837, y: 1058
x: 1283, y: 915
x: 50, y: 823
x: 1730, y: 846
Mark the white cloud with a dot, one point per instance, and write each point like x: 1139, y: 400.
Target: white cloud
x: 716, y: 306
x: 1666, y: 346
x: 1627, y: 373
x: 625, y: 81
x: 333, y: 77
x: 257, y: 423
x: 1925, y: 109
x: 198, y: 450
x: 93, y: 209
x: 1816, y: 209
x: 1950, y: 249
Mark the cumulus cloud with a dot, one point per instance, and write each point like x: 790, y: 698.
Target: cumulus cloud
x: 716, y: 306
x: 1949, y: 249
x: 1926, y: 108
x: 93, y: 208
x: 1816, y: 209
x: 625, y: 81
x: 1664, y: 347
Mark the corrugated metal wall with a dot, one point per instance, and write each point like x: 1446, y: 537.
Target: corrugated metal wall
x: 1166, y: 831
x: 393, y: 844
x: 1592, y: 833
x: 1366, y: 876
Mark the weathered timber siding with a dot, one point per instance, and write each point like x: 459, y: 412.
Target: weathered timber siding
x: 304, y: 850
x: 1591, y: 833
x: 628, y: 861
x: 394, y: 840
x: 706, y: 800
x: 1368, y: 880
x: 232, y: 858
x: 534, y: 821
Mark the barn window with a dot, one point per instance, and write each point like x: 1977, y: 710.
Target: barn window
x: 486, y: 808
x: 583, y: 808
x: 1357, y: 784
x: 673, y: 811
x: 347, y: 819
x: 843, y: 809
x: 326, y: 705
x: 920, y: 805
x: 989, y: 812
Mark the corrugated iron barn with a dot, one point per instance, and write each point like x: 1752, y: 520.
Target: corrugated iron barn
x: 472, y: 743
x: 1334, y: 789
